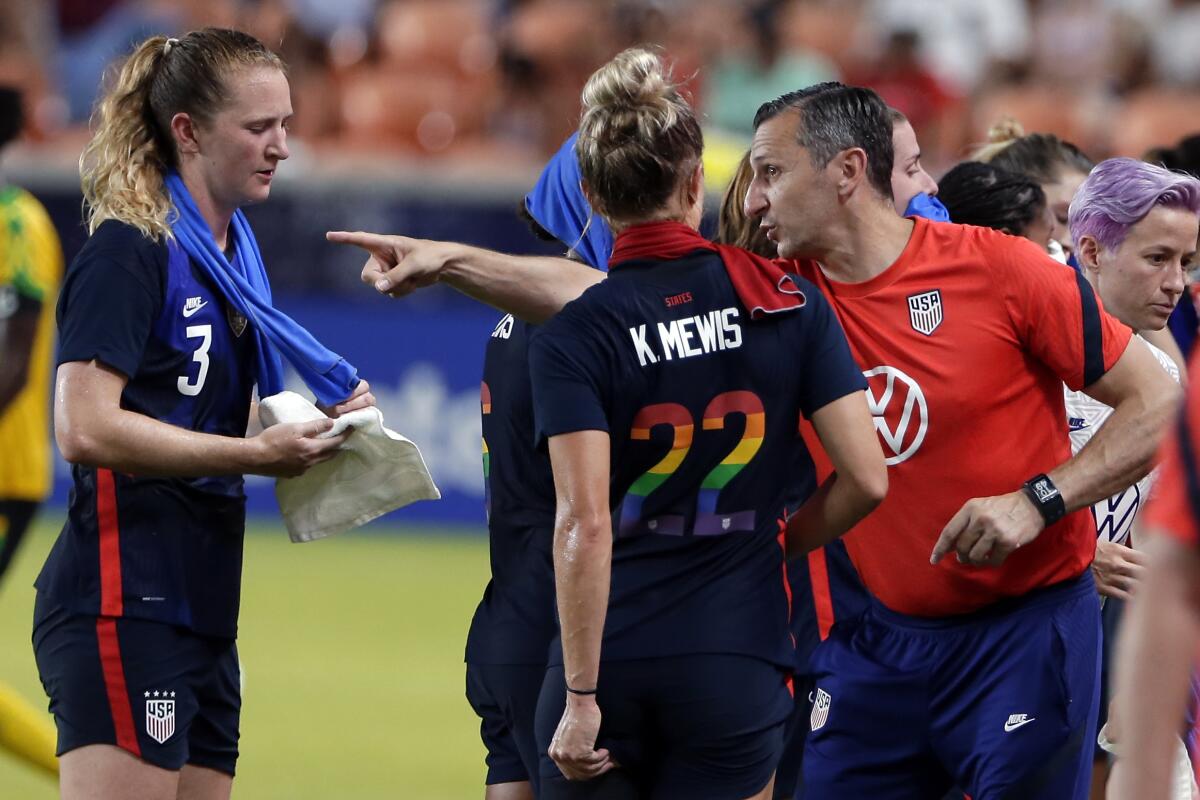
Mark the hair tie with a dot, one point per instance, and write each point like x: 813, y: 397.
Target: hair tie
x: 167, y: 45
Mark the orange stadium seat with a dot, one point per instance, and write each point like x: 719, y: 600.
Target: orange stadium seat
x: 446, y: 34
x: 425, y: 110
x: 1046, y: 109
x: 1154, y: 117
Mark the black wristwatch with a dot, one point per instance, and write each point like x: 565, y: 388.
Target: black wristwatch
x: 1045, y: 496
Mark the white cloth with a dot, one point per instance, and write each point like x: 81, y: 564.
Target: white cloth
x: 377, y: 471
x: 1114, y: 515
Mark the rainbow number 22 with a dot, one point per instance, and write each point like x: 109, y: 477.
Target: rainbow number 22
x: 708, y: 522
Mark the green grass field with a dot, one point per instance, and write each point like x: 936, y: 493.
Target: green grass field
x: 352, y: 651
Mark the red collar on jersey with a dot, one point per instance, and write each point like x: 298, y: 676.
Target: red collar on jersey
x: 762, y: 286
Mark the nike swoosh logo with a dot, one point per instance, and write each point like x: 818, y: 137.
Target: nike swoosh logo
x: 187, y: 312
x: 1009, y: 727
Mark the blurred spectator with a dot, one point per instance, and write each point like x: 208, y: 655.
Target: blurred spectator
x: 903, y: 81
x: 93, y: 35
x: 1173, y: 37
x: 962, y: 43
x: 758, y: 69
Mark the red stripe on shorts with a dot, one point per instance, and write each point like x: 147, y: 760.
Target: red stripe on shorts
x: 787, y: 590
x: 111, y: 603
x: 818, y: 571
x: 114, y: 684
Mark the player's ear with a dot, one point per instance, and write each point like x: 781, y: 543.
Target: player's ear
x: 183, y: 131
x: 1087, y: 253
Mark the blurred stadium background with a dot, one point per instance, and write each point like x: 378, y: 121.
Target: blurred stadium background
x: 432, y: 118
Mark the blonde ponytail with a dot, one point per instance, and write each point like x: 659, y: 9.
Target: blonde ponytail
x: 122, y: 167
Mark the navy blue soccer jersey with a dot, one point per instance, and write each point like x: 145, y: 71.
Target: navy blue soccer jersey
x: 702, y: 406
x: 514, y: 623
x: 162, y: 549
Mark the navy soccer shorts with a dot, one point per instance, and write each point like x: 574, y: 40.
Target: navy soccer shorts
x: 688, y: 727
x: 160, y: 692
x: 505, y: 697
x: 1001, y: 703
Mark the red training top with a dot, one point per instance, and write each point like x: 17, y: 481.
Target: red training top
x: 966, y: 341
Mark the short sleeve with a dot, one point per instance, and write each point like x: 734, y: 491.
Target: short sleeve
x: 565, y: 372
x: 108, y: 304
x: 1056, y: 314
x: 829, y: 370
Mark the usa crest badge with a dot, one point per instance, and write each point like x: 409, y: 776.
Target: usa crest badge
x: 237, y: 322
x: 160, y: 716
x: 820, y: 710
x: 925, y: 311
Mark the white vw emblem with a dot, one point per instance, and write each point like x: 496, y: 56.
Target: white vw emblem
x: 925, y: 311
x: 820, y: 710
x: 160, y: 717
x: 903, y: 397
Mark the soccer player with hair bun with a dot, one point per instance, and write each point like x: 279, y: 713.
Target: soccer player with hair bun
x: 673, y: 437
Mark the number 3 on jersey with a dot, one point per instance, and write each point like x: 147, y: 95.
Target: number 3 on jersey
x: 708, y: 522
x: 200, y: 355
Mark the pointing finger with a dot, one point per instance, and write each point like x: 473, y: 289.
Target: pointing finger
x: 363, y: 239
x: 950, y: 534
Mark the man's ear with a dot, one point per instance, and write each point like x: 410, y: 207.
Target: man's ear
x: 183, y: 131
x: 849, y: 170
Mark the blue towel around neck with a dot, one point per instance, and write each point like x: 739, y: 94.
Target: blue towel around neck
x: 245, y: 287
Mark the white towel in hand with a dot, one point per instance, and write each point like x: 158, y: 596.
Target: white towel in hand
x: 376, y: 471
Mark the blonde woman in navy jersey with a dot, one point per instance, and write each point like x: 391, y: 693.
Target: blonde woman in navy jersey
x: 165, y: 329
x: 672, y: 433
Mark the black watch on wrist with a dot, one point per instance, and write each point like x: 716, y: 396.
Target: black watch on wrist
x: 1046, y: 498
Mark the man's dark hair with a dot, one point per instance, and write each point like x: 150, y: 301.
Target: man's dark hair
x: 982, y: 194
x: 835, y: 117
x: 535, y: 227
x: 11, y: 117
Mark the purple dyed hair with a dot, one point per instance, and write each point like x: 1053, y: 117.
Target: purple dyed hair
x: 1120, y: 192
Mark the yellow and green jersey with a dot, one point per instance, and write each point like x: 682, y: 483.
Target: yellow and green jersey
x: 31, y: 266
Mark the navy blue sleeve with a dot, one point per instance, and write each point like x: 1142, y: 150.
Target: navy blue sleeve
x: 565, y: 370
x: 829, y: 371
x: 110, y: 298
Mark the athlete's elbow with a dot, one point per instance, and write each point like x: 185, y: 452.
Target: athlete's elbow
x: 870, y: 487
x: 76, y: 444
x: 579, y: 528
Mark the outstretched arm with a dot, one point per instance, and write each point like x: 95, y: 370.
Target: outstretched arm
x: 533, y: 288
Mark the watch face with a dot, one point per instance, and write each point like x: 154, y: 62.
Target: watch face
x: 1045, y: 490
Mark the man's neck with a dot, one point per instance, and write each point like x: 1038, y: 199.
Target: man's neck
x: 866, y: 245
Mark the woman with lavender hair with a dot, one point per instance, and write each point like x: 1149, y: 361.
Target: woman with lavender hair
x: 1134, y: 226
